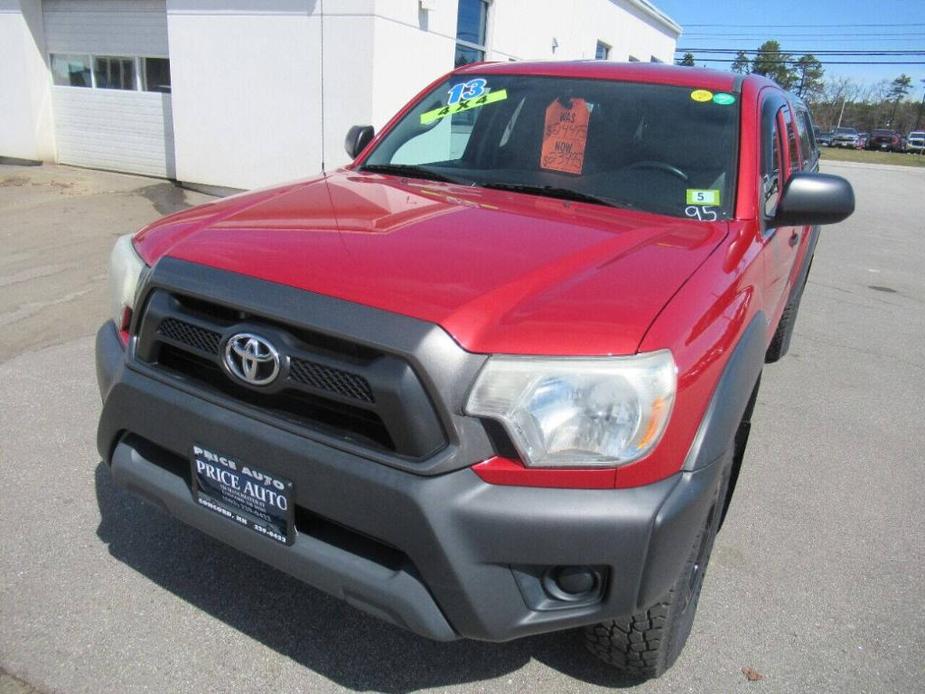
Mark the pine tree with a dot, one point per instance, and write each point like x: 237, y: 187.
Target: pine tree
x: 771, y: 62
x: 741, y: 64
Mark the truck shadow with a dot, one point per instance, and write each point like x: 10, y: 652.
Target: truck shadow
x: 315, y: 630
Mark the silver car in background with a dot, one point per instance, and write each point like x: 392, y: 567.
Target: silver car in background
x: 915, y: 142
x: 845, y: 137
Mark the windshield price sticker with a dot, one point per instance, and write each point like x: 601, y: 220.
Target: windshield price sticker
x: 723, y: 99
x: 565, y: 136
x: 696, y: 196
x: 463, y: 105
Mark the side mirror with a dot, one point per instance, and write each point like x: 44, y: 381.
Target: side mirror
x: 357, y: 138
x: 814, y: 198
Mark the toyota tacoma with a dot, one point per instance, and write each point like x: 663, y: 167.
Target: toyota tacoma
x: 495, y: 377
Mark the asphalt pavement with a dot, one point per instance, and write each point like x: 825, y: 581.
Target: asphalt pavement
x: 817, y: 582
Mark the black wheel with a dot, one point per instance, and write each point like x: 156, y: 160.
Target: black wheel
x: 646, y: 644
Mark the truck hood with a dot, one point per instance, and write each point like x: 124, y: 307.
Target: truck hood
x: 501, y: 272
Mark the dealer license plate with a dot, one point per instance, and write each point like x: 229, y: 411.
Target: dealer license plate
x: 243, y: 494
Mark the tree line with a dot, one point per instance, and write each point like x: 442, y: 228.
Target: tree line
x: 836, y: 101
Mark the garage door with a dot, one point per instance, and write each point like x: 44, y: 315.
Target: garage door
x: 111, y: 84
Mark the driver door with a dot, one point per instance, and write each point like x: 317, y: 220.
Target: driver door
x: 781, y: 159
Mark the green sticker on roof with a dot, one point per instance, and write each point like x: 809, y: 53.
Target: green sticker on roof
x: 723, y: 99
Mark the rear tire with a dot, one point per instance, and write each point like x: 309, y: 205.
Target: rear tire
x: 645, y: 645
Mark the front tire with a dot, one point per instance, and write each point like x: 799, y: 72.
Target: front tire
x: 645, y: 645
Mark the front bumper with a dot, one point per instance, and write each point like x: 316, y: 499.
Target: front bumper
x: 443, y: 555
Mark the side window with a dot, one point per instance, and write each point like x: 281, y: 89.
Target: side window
x: 793, y: 148
x: 770, y: 162
x: 807, y: 139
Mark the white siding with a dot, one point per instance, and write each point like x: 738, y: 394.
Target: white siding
x: 112, y: 129
x: 26, y: 129
x: 108, y: 128
x: 247, y: 90
x: 107, y: 27
x: 517, y: 30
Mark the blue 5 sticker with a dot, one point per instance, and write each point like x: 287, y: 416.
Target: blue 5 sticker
x: 472, y: 89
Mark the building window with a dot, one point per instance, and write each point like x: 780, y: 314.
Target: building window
x: 634, y: 59
x: 602, y: 52
x: 109, y: 72
x: 156, y: 74
x: 114, y: 72
x: 71, y: 70
x: 471, y: 22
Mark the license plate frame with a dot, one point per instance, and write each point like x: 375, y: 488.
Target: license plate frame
x: 243, y: 494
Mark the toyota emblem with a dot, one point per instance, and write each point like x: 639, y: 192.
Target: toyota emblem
x: 251, y: 359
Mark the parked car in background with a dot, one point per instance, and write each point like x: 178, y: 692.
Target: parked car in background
x: 845, y: 137
x: 862, y: 140
x: 825, y: 138
x: 915, y: 142
x: 885, y: 140
x: 494, y: 378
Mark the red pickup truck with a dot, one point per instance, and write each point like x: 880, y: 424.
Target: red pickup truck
x: 495, y: 377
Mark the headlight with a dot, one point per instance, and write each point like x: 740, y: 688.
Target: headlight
x: 125, y: 268
x: 578, y: 412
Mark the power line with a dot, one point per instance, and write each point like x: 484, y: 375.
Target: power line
x: 824, y: 39
x: 828, y: 62
x: 806, y: 26
x: 819, y: 52
x: 723, y: 34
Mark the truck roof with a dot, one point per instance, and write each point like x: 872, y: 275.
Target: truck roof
x: 655, y: 73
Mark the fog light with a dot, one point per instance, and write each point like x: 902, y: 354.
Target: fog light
x: 571, y: 583
x: 574, y: 580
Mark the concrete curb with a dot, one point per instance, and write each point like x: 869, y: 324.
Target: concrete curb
x: 879, y: 167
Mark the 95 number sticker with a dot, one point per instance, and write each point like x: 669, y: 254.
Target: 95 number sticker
x: 704, y: 214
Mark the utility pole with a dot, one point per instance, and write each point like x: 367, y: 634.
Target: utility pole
x: 843, y: 102
x: 918, y: 116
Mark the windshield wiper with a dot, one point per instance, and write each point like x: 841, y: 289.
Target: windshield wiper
x: 413, y: 171
x: 554, y: 192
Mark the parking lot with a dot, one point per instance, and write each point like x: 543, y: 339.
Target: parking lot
x: 817, y: 582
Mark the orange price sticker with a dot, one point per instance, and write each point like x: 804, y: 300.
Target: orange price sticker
x: 565, y: 136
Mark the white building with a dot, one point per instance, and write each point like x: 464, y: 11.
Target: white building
x: 244, y: 93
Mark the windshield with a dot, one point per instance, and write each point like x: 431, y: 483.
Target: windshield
x: 846, y: 131
x: 659, y: 148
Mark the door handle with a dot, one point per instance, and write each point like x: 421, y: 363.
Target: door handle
x: 794, y: 238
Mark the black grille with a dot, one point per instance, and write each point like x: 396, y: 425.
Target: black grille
x: 336, y: 419
x: 342, y: 389
x: 331, y: 380
x: 310, y: 373
x: 188, y: 334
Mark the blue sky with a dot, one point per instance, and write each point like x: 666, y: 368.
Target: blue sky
x: 810, y: 26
